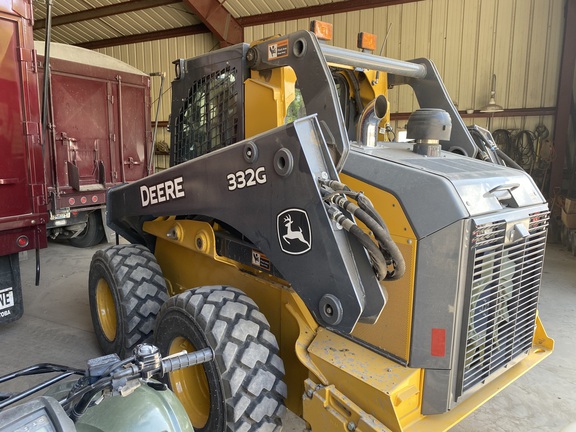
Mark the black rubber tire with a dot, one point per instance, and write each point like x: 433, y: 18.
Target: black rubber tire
x: 92, y: 235
x: 138, y: 291
x: 245, y: 380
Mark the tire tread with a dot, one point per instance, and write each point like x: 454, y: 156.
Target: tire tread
x: 246, y: 354
x: 141, y: 291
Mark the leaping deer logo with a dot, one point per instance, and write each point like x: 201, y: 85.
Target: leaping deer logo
x: 294, y: 233
x: 291, y: 234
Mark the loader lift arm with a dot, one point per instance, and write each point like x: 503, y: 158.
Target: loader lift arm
x: 259, y: 187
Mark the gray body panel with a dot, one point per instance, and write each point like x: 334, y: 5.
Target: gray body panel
x: 436, y: 192
x: 449, y: 200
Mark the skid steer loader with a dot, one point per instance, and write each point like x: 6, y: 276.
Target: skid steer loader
x: 365, y: 285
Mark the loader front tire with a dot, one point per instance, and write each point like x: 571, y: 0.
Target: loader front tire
x: 242, y: 389
x: 126, y: 290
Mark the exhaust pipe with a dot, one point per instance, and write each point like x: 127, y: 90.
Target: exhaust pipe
x: 367, y: 126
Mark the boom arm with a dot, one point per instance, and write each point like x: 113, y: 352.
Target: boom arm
x: 267, y: 188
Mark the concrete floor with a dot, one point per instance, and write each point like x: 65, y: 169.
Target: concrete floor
x: 57, y: 328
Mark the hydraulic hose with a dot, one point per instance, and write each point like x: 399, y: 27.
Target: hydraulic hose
x: 381, y: 234
x: 366, y: 213
x: 378, y: 259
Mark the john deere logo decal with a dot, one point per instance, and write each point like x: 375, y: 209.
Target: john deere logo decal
x: 294, y: 232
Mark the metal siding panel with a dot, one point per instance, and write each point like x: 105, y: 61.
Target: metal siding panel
x: 503, y: 47
x: 340, y: 36
x: 553, y: 52
x: 352, y: 29
x: 393, y: 49
x: 468, y: 54
x: 366, y: 21
x: 486, y: 42
x: 380, y: 27
x: 537, y: 50
x: 519, y: 60
x: 438, y: 34
x: 423, y: 27
x: 406, y: 101
x: 453, y: 49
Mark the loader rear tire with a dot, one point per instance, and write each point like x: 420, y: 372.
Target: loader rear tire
x: 242, y: 389
x: 126, y: 291
x: 92, y: 235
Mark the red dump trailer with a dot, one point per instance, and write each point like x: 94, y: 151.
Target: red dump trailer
x: 23, y: 211
x: 54, y: 182
x: 98, y: 136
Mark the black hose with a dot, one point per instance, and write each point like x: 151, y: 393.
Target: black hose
x: 377, y: 258
x: 503, y: 140
x: 381, y: 234
x: 524, y: 148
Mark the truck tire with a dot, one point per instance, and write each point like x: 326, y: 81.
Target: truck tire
x: 126, y: 291
x: 242, y: 389
x: 92, y: 235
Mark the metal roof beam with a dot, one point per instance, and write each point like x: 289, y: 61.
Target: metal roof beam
x: 145, y: 37
x: 310, y: 11
x: 220, y: 22
x: 104, y: 11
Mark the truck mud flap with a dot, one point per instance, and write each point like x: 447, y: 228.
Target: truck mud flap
x: 11, y: 303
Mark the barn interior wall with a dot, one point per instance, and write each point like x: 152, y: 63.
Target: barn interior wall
x: 519, y: 41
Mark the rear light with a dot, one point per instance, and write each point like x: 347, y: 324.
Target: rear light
x: 322, y: 30
x: 71, y: 201
x: 22, y: 241
x: 94, y: 199
x: 83, y: 200
x: 366, y: 41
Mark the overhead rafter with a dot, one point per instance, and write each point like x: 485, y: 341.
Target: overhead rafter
x: 220, y: 22
x: 219, y: 15
x: 146, y: 37
x: 104, y: 11
x: 324, y: 9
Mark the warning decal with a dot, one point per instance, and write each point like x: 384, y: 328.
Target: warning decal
x: 260, y: 260
x: 278, y: 50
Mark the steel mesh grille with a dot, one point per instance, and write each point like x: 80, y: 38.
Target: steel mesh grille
x: 504, y: 297
x: 208, y: 119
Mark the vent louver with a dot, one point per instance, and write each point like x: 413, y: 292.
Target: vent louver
x: 504, y: 291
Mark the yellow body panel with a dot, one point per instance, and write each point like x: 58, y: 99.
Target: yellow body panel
x: 391, y: 332
x: 185, y: 265
x: 342, y: 382
x: 377, y: 394
x: 267, y: 97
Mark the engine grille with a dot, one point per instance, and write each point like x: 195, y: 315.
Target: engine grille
x: 209, y: 118
x: 504, y: 291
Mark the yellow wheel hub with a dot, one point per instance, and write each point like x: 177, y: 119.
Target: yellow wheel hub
x: 191, y: 386
x: 106, y: 310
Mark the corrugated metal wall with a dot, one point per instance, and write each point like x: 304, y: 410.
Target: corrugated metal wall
x: 157, y: 56
x: 469, y: 40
